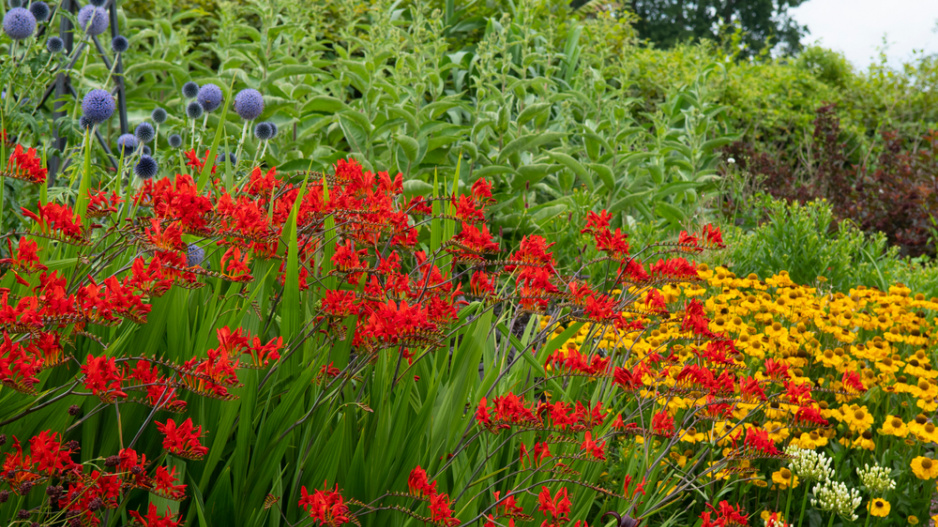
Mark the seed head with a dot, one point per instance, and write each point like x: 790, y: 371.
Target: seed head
x: 19, y: 23
x: 158, y: 115
x: 120, y: 44
x: 210, y: 97
x: 175, y: 140
x: 55, y: 45
x: 144, y: 132
x: 195, y: 255
x: 194, y: 110
x: 263, y: 131
x: 126, y: 144
x: 146, y: 168
x: 190, y: 90
x: 40, y: 10
x: 249, y: 104
x: 93, y: 20
x: 98, y: 106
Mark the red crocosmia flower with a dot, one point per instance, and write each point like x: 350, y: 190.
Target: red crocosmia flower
x: 164, y: 484
x: 482, y: 413
x: 541, y: 452
x: 724, y: 516
x: 758, y: 440
x: 556, y: 507
x: 440, y: 510
x: 418, y: 484
x: 597, y: 450
x: 852, y: 381
x: 596, y: 222
x: 695, y: 319
x: 480, y: 285
x: 182, y: 440
x: 235, y: 265
x: 464, y: 208
x: 26, y: 166
x: 662, y: 423
x: 101, y: 204
x: 55, y: 219
x: 690, y: 241
x: 482, y: 190
x: 654, y: 300
x: 713, y: 236
x: 337, y: 303
x: 26, y: 257
x: 326, y: 507
x: 776, y: 370
x: 613, y: 243
x: 103, y: 378
x: 153, y: 518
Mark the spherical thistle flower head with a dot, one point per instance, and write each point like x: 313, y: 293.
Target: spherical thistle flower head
x: 158, y: 115
x: 146, y: 168
x: 195, y: 255
x: 55, y: 45
x: 144, y: 132
x: 85, y: 123
x: 175, y: 141
x: 220, y: 158
x: 210, y: 97
x: 190, y: 90
x: 120, y: 44
x: 97, y: 3
x: 146, y: 150
x: 93, y: 20
x: 194, y: 110
x: 40, y: 10
x: 19, y: 23
x: 98, y: 106
x: 273, y: 127
x: 263, y: 131
x: 249, y: 104
x: 15, y: 3
x: 126, y: 144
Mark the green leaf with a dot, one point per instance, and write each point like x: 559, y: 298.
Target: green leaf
x: 532, y: 111
x: 410, y: 146
x: 527, y: 142
x: 574, y: 166
x: 324, y: 104
x: 670, y: 212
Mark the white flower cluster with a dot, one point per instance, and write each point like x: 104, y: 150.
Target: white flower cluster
x: 809, y: 464
x: 834, y: 497
x: 876, y: 479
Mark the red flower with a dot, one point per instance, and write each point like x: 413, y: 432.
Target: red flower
x: 482, y: 413
x: 153, y: 519
x: 662, y: 423
x: 164, y: 484
x: 182, y: 440
x: 440, y: 510
x: 557, y: 507
x: 597, y: 450
x: 103, y: 378
x: 326, y: 507
x: 418, y: 484
x: 26, y: 166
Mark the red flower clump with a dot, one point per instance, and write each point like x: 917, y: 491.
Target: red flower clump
x: 326, y: 507
x: 182, y: 440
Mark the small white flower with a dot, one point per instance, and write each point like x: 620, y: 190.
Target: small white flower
x: 834, y: 497
x: 876, y: 479
x: 809, y: 464
x: 731, y: 160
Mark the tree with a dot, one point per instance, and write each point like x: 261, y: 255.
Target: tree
x: 764, y: 22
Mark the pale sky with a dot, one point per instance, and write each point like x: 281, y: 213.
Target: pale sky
x: 856, y: 27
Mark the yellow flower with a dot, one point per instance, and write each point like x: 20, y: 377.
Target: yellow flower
x: 894, y: 426
x: 913, y: 520
x: 924, y: 468
x: 878, y: 507
x: 858, y: 418
x: 784, y: 478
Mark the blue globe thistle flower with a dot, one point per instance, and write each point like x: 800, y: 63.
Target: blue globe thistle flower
x: 175, y: 141
x: 194, y: 110
x: 40, y: 10
x: 158, y: 115
x: 120, y: 44
x: 263, y: 131
x: 220, y: 158
x: 146, y: 168
x: 249, y: 104
x: 195, y: 255
x: 93, y: 20
x: 144, y: 132
x: 55, y: 45
x: 98, y: 106
x: 19, y: 23
x: 85, y: 123
x: 273, y: 126
x: 97, y: 3
x: 146, y: 150
x: 190, y: 90
x: 210, y: 97
x: 126, y: 144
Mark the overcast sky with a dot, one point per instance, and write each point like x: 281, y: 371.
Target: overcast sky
x: 856, y: 27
